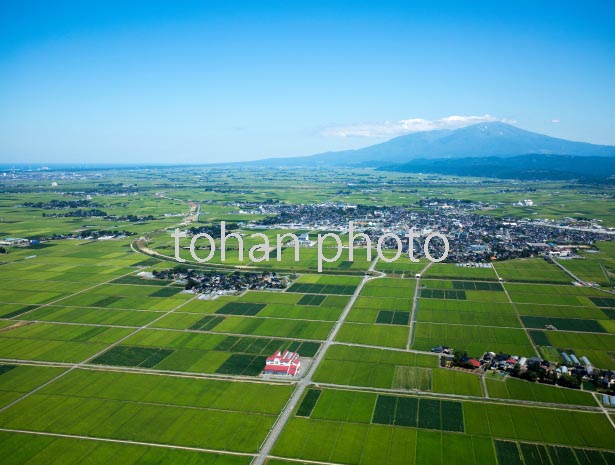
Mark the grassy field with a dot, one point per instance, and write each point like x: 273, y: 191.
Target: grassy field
x: 19, y: 448
x: 141, y: 408
x: 534, y: 424
x: 345, y: 425
x: 354, y: 366
x: 57, y: 343
x: 531, y: 270
x: 476, y: 340
x: 518, y: 389
x: 16, y: 380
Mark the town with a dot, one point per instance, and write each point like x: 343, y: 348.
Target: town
x: 473, y: 237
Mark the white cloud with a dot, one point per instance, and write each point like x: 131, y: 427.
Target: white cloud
x: 406, y: 126
x: 555, y: 121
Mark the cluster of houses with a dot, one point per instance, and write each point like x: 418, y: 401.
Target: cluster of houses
x: 96, y: 213
x: 442, y: 350
x: 212, y: 283
x: 552, y: 250
x: 524, y: 203
x: 506, y: 362
x: 577, y: 367
x: 85, y: 234
x: 15, y: 242
x: 474, y: 265
x: 55, y: 204
x: 473, y: 237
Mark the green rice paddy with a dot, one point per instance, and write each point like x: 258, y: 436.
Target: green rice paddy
x: 101, y: 362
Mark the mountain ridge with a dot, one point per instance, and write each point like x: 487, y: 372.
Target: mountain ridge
x: 535, y: 167
x: 493, y: 139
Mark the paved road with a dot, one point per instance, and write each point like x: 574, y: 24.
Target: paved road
x: 483, y: 385
x: 576, y: 278
x: 572, y: 228
x: 392, y: 349
x: 288, y: 409
x: 566, y: 270
x: 598, y: 398
x: 194, y: 210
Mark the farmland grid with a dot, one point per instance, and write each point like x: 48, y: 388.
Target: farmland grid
x: 249, y: 312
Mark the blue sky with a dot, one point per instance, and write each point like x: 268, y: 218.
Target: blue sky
x: 190, y: 82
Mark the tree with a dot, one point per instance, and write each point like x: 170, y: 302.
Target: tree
x: 530, y: 375
x: 460, y: 359
x: 569, y: 381
x: 191, y: 284
x: 532, y: 372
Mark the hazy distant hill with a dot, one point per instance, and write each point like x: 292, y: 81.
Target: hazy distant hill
x: 534, y: 166
x: 479, y: 140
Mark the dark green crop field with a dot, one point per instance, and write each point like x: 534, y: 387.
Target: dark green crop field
x: 308, y: 403
x: 133, y: 356
x: 565, y: 324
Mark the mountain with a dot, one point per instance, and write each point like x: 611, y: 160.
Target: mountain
x: 478, y: 140
x: 525, y: 167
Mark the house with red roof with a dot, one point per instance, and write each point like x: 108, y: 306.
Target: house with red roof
x: 287, y: 364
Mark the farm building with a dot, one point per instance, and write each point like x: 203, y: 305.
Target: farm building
x: 304, y: 240
x: 287, y: 363
x: 587, y: 364
x: 14, y: 241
